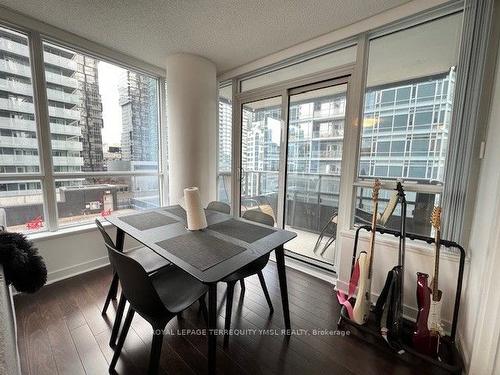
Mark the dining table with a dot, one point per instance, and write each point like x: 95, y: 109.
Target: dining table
x: 226, y: 245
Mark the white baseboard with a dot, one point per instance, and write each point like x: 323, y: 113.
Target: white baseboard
x: 309, y: 269
x: 76, y: 269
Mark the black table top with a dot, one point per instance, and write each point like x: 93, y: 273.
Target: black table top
x: 159, y: 234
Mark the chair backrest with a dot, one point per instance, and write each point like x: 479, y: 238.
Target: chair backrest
x: 137, y: 286
x: 135, y: 282
x: 219, y: 206
x: 107, y: 239
x: 259, y: 217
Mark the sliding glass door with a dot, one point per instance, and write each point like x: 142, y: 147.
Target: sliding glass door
x: 315, y: 138
x: 290, y: 166
x: 260, y: 155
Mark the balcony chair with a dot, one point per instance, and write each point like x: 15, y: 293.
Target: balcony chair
x: 156, y: 297
x: 149, y: 260
x: 330, y: 226
x: 254, y: 268
x: 220, y: 207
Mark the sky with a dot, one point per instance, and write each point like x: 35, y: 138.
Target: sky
x: 109, y: 80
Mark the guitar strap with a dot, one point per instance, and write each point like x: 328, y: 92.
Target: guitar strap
x: 353, y: 283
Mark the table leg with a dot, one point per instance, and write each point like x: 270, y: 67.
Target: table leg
x: 280, y: 261
x: 212, y: 326
x: 120, y: 239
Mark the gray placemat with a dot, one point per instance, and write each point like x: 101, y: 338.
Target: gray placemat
x: 241, y: 230
x: 147, y: 220
x: 177, y: 211
x: 181, y: 213
x: 200, y: 249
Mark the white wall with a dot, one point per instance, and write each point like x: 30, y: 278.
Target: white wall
x: 419, y: 257
x: 484, y: 250
x: 74, y: 253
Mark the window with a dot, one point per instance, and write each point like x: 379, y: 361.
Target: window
x: 225, y: 129
x: 21, y: 198
x: 407, y: 114
x: 104, y: 137
x: 103, y: 118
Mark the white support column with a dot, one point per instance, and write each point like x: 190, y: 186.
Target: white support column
x: 191, y: 114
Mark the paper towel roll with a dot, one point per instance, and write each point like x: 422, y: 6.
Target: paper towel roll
x: 195, y: 213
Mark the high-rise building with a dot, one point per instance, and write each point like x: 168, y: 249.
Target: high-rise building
x: 91, y: 120
x: 75, y: 110
x: 139, y: 140
x: 139, y: 121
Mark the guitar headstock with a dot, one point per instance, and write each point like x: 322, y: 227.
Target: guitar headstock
x: 401, y: 192
x: 436, y: 218
x: 376, y: 188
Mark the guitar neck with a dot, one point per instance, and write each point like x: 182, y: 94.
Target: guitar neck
x: 372, y: 239
x: 435, y: 286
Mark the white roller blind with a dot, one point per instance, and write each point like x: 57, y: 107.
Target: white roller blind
x: 421, y: 51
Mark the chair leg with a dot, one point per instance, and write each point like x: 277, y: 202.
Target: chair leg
x: 118, y: 321
x: 229, y: 309
x: 111, y: 293
x: 203, y: 308
x: 154, y: 360
x: 121, y: 340
x: 266, y: 292
x: 242, y: 284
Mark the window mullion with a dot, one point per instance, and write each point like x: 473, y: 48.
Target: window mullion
x: 43, y: 129
x: 354, y: 115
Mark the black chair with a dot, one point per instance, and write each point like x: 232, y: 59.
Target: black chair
x: 254, y: 268
x: 156, y: 297
x: 225, y: 209
x: 220, y: 207
x: 149, y: 260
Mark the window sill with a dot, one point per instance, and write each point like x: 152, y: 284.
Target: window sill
x: 412, y: 246
x: 65, y: 232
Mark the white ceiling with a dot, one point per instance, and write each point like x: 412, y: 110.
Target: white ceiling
x: 228, y: 32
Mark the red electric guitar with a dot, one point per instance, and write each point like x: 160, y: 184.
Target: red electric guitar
x: 428, y: 328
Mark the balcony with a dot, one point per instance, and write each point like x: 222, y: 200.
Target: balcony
x: 13, y: 67
x: 20, y: 160
x: 17, y: 124
x: 64, y: 113
x: 60, y: 96
x: 65, y: 129
x: 63, y: 62
x: 61, y: 80
x: 67, y: 145
x: 16, y: 106
x: 14, y: 47
x: 18, y: 142
x: 16, y: 87
x: 68, y: 161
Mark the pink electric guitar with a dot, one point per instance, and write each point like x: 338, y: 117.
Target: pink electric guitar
x: 428, y: 328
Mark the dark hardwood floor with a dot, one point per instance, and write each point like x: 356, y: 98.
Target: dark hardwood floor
x: 61, y: 331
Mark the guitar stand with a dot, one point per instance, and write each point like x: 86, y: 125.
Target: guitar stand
x: 450, y: 360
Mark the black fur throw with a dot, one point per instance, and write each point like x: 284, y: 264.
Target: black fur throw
x: 22, y: 265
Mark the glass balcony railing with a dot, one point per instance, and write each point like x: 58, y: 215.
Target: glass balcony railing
x: 17, y: 124
x: 18, y: 142
x: 68, y: 161
x: 15, y: 68
x: 65, y: 129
